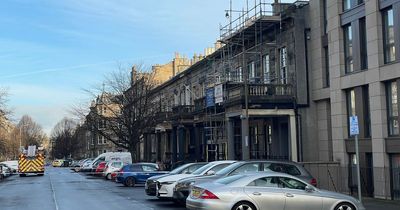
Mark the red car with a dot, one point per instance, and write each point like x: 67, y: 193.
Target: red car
x: 100, y: 168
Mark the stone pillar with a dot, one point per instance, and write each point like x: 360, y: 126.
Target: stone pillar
x: 181, y: 143
x: 197, y: 143
x: 293, y: 138
x: 174, y: 145
x: 245, y: 139
x: 231, y: 138
x: 159, y: 145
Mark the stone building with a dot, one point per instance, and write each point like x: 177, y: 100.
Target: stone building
x: 283, y: 86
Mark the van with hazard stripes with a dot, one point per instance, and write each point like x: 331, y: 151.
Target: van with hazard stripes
x: 31, y: 161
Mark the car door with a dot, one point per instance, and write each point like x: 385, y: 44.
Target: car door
x: 266, y: 193
x: 297, y: 197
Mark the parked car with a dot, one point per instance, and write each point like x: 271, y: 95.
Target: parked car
x: 100, y: 168
x: 150, y: 185
x: 266, y: 191
x: 182, y: 188
x: 5, y: 171
x: 12, y: 164
x: 112, y: 166
x: 137, y: 173
x: 166, y: 185
x: 57, y: 163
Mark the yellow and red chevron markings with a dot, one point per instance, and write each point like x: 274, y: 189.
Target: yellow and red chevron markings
x: 31, y: 164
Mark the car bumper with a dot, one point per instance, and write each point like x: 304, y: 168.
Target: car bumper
x: 197, y: 204
x: 165, y: 191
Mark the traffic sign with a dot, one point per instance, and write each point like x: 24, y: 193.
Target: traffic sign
x: 354, y: 130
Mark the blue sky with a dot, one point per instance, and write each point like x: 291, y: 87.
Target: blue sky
x: 51, y: 50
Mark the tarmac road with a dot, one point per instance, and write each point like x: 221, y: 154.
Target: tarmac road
x: 63, y: 189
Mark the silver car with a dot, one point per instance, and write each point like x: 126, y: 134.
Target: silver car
x: 266, y: 191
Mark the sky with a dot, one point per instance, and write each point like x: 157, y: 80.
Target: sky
x: 51, y: 50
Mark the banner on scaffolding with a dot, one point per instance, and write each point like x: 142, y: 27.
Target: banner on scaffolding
x: 210, y: 97
x: 219, y: 94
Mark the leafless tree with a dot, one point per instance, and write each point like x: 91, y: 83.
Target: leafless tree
x: 31, y: 133
x: 63, y: 139
x: 125, y: 109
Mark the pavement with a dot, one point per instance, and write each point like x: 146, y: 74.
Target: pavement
x: 63, y: 189
x: 380, y: 204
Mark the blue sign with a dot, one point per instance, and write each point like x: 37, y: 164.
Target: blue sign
x: 354, y: 130
x: 210, y: 97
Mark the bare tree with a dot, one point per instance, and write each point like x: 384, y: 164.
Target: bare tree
x: 31, y: 133
x: 63, y: 138
x: 125, y: 109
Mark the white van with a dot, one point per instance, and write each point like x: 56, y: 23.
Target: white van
x: 125, y: 157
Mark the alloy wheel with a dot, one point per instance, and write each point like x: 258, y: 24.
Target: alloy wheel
x: 344, y: 207
x: 244, y: 207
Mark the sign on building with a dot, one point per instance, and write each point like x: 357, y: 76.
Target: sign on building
x: 219, y: 94
x: 354, y: 130
x: 210, y: 97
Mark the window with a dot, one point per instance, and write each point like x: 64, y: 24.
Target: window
x: 393, y: 108
x: 218, y: 167
x: 325, y: 10
x: 348, y: 48
x: 229, y: 179
x: 148, y: 168
x: 283, y: 66
x: 266, y: 70
x: 388, y: 36
x: 253, y: 167
x: 265, y: 182
x: 239, y: 77
x: 99, y: 139
x: 251, y: 68
x: 326, y: 65
x: 282, y: 168
x: 357, y: 100
x: 348, y: 4
x: 363, y: 44
x: 292, y: 183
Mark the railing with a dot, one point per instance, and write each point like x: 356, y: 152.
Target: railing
x: 182, y: 109
x: 260, y: 90
x: 246, y: 18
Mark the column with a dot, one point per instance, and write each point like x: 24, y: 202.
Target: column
x: 230, y: 130
x: 174, y: 145
x: 293, y: 138
x: 245, y: 139
x: 181, y: 143
x: 197, y: 144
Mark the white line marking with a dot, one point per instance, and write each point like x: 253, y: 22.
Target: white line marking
x: 54, y: 192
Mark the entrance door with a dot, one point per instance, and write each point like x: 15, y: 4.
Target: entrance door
x: 212, y: 150
x: 395, y: 176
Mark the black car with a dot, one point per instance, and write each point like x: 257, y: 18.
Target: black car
x: 150, y: 185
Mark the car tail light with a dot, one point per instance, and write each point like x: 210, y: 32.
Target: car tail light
x: 313, y: 182
x: 208, y: 195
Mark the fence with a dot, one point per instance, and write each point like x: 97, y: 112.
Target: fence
x: 375, y: 181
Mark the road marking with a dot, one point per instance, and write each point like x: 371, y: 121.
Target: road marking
x: 54, y: 192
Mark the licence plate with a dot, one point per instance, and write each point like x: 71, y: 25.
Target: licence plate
x: 196, y: 193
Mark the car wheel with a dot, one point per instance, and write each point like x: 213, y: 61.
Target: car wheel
x: 244, y: 206
x: 108, y: 177
x: 345, y: 206
x: 22, y: 175
x: 130, y: 182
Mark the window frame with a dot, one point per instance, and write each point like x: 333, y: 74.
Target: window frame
x: 387, y: 57
x: 389, y: 105
x: 348, y: 42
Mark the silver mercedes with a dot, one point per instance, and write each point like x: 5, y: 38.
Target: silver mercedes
x: 266, y: 191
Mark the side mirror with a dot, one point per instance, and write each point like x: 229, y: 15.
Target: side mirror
x: 309, y: 189
x: 210, y: 172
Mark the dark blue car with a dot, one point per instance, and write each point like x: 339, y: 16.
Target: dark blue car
x: 137, y: 173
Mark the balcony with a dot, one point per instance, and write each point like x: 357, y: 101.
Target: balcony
x: 182, y: 112
x: 261, y: 95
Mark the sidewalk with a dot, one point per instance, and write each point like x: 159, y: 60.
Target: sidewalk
x: 380, y: 204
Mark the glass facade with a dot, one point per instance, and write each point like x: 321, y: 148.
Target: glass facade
x: 348, y: 48
x: 393, y: 108
x: 388, y: 36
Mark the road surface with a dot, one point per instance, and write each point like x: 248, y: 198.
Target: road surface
x: 63, y: 189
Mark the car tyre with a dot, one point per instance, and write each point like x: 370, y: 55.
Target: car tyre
x: 345, y: 206
x: 22, y: 175
x: 130, y: 182
x: 244, y: 205
x: 108, y: 177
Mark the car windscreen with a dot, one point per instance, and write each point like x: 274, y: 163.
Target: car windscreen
x: 228, y: 169
x: 202, y: 169
x: 229, y: 179
x: 179, y: 169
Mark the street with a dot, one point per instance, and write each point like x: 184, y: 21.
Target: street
x: 63, y: 189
